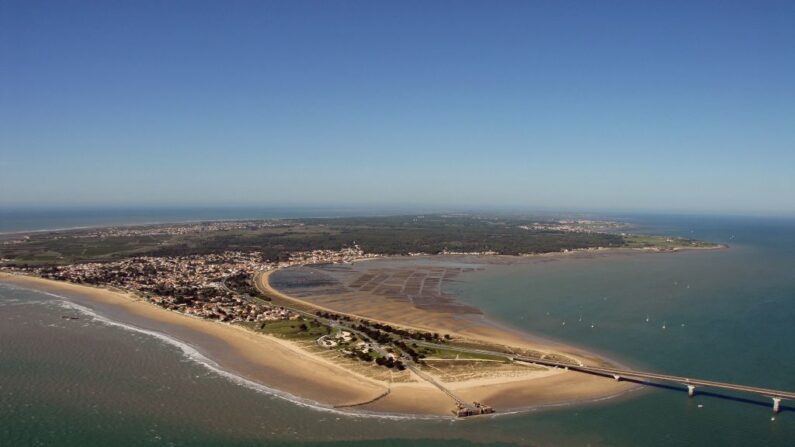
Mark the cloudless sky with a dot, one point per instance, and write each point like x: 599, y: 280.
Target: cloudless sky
x: 636, y: 105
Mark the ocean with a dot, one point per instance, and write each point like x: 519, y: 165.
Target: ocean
x: 728, y: 315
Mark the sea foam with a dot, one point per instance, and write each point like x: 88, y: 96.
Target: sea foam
x: 194, y: 355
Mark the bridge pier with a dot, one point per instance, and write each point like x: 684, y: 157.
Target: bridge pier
x: 691, y: 390
x: 776, y: 405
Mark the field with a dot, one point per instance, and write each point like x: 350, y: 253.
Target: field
x: 289, y: 329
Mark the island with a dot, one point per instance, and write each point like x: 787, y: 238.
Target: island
x: 349, y: 313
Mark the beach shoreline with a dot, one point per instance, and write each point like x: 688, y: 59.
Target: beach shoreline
x: 481, y: 329
x: 303, y: 376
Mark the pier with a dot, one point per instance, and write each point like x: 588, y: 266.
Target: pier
x: 463, y: 408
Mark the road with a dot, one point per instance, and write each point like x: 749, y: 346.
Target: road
x: 626, y: 373
x: 334, y: 324
x: 616, y: 373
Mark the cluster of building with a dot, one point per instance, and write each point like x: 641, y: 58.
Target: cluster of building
x: 18, y: 241
x: 153, y: 274
x: 177, y: 229
x: 226, y: 309
x: 468, y: 253
x: 576, y: 226
x: 364, y: 349
x: 345, y: 255
x: 174, y: 229
x: 197, y: 284
x: 341, y: 337
x: 477, y: 409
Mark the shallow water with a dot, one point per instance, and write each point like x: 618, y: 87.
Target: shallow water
x: 91, y: 381
x: 86, y: 382
x: 726, y: 315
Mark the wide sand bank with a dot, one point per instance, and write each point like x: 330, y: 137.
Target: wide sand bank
x: 268, y: 360
x: 284, y: 366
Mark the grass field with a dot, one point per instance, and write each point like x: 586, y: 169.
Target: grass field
x: 289, y: 329
x: 446, y: 354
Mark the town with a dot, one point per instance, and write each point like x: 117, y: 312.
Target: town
x: 213, y: 286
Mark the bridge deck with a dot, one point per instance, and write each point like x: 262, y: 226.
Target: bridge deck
x: 627, y: 373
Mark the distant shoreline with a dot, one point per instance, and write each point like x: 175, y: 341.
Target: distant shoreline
x: 130, y: 225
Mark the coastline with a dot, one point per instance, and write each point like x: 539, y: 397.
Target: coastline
x: 304, y: 376
x: 478, y: 329
x: 267, y: 360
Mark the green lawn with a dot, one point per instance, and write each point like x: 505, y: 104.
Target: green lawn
x: 451, y: 354
x: 288, y: 328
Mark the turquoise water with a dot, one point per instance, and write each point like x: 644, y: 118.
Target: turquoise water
x: 729, y: 315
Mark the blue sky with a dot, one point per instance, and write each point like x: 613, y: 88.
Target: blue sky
x: 664, y: 106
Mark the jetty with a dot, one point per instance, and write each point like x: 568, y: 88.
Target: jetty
x: 462, y: 407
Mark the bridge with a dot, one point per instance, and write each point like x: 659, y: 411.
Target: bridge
x: 618, y: 374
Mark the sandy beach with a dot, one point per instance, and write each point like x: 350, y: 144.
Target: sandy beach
x: 268, y: 360
x: 530, y: 389
x: 284, y: 366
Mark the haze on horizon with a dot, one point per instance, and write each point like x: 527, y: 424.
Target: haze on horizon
x: 648, y: 106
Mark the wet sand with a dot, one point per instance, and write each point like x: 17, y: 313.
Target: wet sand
x: 304, y: 376
x: 532, y: 389
x: 268, y: 360
x: 464, y: 323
